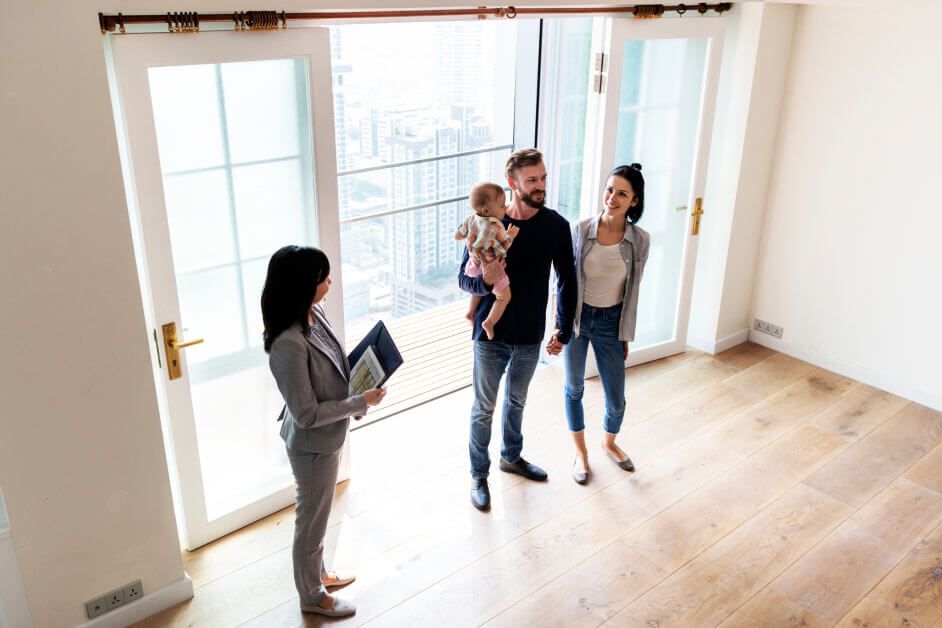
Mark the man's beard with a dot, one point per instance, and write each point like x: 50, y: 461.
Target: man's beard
x: 527, y: 200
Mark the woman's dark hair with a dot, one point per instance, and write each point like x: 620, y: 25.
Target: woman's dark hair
x: 632, y: 174
x: 294, y: 272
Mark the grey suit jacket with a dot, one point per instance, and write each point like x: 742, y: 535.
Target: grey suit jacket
x: 315, y: 388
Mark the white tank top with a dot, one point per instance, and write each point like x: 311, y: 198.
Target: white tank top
x: 605, y: 276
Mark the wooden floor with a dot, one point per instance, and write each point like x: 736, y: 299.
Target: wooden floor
x: 769, y: 492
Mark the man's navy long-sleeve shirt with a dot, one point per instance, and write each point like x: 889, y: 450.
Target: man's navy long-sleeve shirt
x: 544, y: 240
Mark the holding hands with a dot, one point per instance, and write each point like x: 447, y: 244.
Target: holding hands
x: 554, y: 346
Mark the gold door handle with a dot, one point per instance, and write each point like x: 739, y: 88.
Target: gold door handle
x: 189, y: 343
x: 695, y: 214
x: 172, y: 349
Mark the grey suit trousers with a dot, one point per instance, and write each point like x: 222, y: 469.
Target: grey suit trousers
x: 316, y: 477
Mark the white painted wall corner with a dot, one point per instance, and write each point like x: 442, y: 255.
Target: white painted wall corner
x: 718, y: 346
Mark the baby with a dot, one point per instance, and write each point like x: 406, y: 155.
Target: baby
x: 487, y: 241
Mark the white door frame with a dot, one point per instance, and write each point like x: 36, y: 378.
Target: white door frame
x: 133, y: 55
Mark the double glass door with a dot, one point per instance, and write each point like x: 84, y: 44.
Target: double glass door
x: 230, y: 149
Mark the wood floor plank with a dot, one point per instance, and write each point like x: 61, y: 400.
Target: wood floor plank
x: 739, y: 565
x: 869, y: 614
x: 781, y: 412
x: 586, y: 595
x: 690, y: 526
x: 857, y: 414
x: 674, y: 386
x: 768, y: 609
x: 928, y: 471
x: 717, y: 525
x: 872, y: 463
x: 481, y: 590
x: 914, y: 587
x: 830, y: 579
x: 669, y: 428
x: 770, y: 375
x: 744, y: 355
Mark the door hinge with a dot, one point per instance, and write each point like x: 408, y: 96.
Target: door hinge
x: 696, y: 213
x: 599, y: 62
x: 598, y: 66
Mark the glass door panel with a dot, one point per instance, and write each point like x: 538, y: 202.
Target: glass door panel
x: 658, y: 110
x: 222, y: 130
x: 228, y: 211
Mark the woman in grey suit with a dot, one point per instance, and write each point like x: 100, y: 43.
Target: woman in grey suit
x: 311, y: 369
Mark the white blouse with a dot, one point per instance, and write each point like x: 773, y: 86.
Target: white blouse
x: 605, y: 276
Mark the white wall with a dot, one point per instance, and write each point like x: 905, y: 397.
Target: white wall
x: 752, y: 82
x: 81, y: 456
x: 850, y: 256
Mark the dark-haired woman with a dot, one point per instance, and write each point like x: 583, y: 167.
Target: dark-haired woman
x: 311, y: 369
x: 610, y: 252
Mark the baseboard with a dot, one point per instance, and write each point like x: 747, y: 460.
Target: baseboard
x: 150, y: 604
x: 718, y: 346
x: 883, y: 381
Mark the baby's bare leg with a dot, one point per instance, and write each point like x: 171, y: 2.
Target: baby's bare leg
x: 502, y: 298
x: 473, y: 307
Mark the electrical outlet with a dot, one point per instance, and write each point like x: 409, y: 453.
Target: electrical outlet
x: 96, y: 607
x: 115, y: 599
x: 767, y: 328
x: 133, y: 591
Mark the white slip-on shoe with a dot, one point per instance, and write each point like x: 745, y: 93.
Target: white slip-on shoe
x: 341, y: 608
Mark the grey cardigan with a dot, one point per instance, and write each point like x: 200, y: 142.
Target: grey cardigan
x: 634, y: 250
x: 315, y: 388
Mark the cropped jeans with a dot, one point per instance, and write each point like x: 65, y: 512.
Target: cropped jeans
x: 491, y: 359
x: 598, y: 326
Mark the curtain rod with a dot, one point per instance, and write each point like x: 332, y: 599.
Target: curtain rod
x: 189, y: 21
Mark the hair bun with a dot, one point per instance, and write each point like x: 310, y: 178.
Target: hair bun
x: 636, y: 166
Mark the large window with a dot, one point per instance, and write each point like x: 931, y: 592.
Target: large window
x: 422, y: 112
x: 567, y: 47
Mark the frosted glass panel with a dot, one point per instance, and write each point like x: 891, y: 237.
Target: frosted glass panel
x: 269, y: 206
x: 235, y: 148
x: 186, y: 114
x: 262, y: 108
x: 198, y: 210
x: 658, y: 118
x: 253, y: 278
x: 211, y: 307
x: 242, y: 457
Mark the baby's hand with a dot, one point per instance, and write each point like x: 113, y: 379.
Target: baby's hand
x: 513, y: 230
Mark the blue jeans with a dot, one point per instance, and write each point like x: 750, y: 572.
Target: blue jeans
x: 491, y: 359
x: 598, y: 325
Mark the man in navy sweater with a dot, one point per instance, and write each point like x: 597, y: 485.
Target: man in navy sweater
x: 544, y: 240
